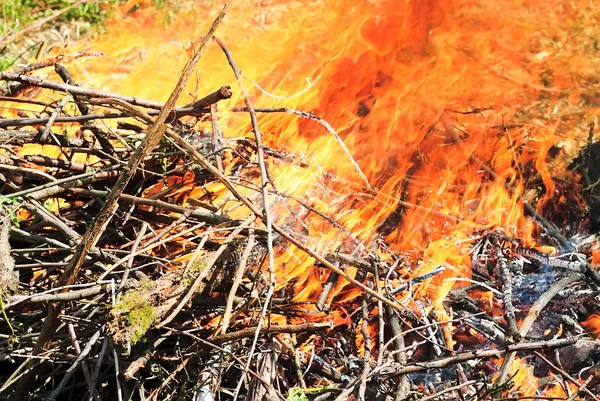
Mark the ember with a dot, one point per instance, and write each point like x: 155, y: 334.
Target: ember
x: 388, y: 200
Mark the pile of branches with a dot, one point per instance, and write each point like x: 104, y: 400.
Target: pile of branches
x: 114, y: 291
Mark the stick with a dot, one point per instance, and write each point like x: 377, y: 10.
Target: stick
x: 325, y: 124
x: 237, y: 280
x: 224, y: 92
x: 565, y: 374
x: 196, y: 213
x: 53, y: 116
x: 396, y: 371
x: 267, y: 219
x: 199, y: 283
x: 76, y: 90
x: 513, y: 332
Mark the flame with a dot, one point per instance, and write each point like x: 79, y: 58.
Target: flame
x: 446, y: 107
x: 521, y: 374
x: 592, y: 324
x: 394, y: 79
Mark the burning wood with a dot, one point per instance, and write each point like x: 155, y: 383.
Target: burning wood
x: 369, y: 237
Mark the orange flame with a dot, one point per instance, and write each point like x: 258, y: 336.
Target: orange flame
x: 382, y: 73
x: 427, y: 96
x: 592, y: 324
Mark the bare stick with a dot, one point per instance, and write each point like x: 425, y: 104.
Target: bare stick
x: 273, y: 329
x: 84, y: 365
x: 319, y: 258
x: 224, y: 92
x: 362, y: 388
x: 325, y: 124
x: 398, y: 370
x: 565, y: 375
x: 505, y: 275
x: 217, y: 139
x: 239, y: 275
x: 197, y: 285
x: 53, y: 116
x: 403, y: 386
x: 196, y: 213
x: 76, y: 90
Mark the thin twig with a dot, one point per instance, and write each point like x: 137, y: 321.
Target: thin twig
x: 389, y: 372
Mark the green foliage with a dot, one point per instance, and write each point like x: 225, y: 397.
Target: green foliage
x: 22, y: 13
x: 27, y: 12
x: 12, y: 211
x: 7, y: 61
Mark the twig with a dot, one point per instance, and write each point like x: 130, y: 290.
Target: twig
x: 239, y: 275
x: 196, y: 213
x: 448, y: 390
x: 117, y: 371
x: 38, y: 192
x: 390, y: 372
x: 148, y: 247
x: 288, y: 237
x: 64, y: 74
x: 224, y: 92
x: 326, y: 289
x: 364, y: 330
x: 217, y: 140
x: 50, y: 296
x: 581, y: 388
x: 505, y: 276
x: 273, y: 329
x: 154, y: 395
x: 134, y: 248
x: 53, y: 116
x: 84, y: 365
x: 76, y: 90
x: 324, y: 123
x: 198, y: 283
x: 140, y: 362
x: 403, y: 386
x: 29, y: 121
x: 565, y: 374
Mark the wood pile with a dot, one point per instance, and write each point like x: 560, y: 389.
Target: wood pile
x: 117, y: 284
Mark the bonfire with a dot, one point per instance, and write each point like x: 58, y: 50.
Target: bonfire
x: 285, y: 200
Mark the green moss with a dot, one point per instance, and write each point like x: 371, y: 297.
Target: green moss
x: 299, y: 394
x: 195, y: 269
x: 137, y: 313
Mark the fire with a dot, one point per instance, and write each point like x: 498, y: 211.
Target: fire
x: 592, y: 324
x: 444, y: 106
